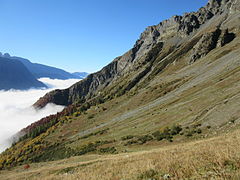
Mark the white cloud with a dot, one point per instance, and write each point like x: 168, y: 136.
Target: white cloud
x: 16, y: 111
x: 57, y: 83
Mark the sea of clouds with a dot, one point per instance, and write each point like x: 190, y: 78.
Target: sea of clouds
x: 16, y: 111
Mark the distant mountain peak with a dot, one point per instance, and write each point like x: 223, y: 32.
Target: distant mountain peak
x: 14, y: 75
x: 40, y: 70
x: 6, y: 55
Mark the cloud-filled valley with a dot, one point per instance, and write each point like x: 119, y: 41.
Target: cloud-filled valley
x: 16, y: 111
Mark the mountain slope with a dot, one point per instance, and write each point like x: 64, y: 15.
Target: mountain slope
x: 179, y: 83
x: 193, y: 160
x: 168, y: 41
x: 14, y: 75
x: 40, y: 70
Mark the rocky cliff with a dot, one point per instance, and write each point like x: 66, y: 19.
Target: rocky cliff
x: 204, y: 29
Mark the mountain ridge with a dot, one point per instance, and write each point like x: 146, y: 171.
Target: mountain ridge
x: 42, y: 71
x: 166, y: 36
x: 21, y: 79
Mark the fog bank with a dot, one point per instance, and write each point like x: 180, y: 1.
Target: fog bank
x: 16, y: 111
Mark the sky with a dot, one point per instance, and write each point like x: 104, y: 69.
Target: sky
x: 80, y: 35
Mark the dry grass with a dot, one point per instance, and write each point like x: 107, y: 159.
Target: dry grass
x: 214, y: 158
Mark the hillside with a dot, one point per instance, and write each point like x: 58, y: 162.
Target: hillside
x: 170, y: 105
x: 14, y: 75
x: 192, y: 160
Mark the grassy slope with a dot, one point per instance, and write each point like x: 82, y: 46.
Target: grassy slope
x: 217, y: 158
x: 199, y: 95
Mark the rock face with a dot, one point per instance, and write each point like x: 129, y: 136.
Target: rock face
x: 205, y: 45
x: 181, y: 34
x: 210, y: 41
x: 225, y: 38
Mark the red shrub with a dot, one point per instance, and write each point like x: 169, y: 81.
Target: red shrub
x: 27, y: 166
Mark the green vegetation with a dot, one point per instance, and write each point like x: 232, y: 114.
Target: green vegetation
x: 91, y: 116
x: 144, y: 139
x: 92, y: 147
x: 195, y: 129
x: 39, y: 129
x: 76, y: 114
x: 109, y: 150
x: 167, y: 133
x: 127, y: 137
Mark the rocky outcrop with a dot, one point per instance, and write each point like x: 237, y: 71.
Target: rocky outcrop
x: 225, y: 38
x: 171, y: 33
x: 205, y: 45
x: 209, y: 41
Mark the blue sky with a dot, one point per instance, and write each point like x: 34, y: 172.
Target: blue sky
x: 80, y: 35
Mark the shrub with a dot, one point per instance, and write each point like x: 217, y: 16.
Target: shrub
x: 181, y: 133
x: 76, y: 114
x: 27, y: 166
x: 197, y: 125
x: 167, y: 133
x: 110, y: 150
x: 104, y: 109
x: 124, y: 138
x: 87, y: 148
x: 189, y: 133
x: 85, y: 107
x: 144, y: 139
x: 91, y: 116
x: 232, y: 120
x: 91, y: 147
x: 158, y: 135
x: 176, y: 129
x: 199, y: 131
x: 133, y: 141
